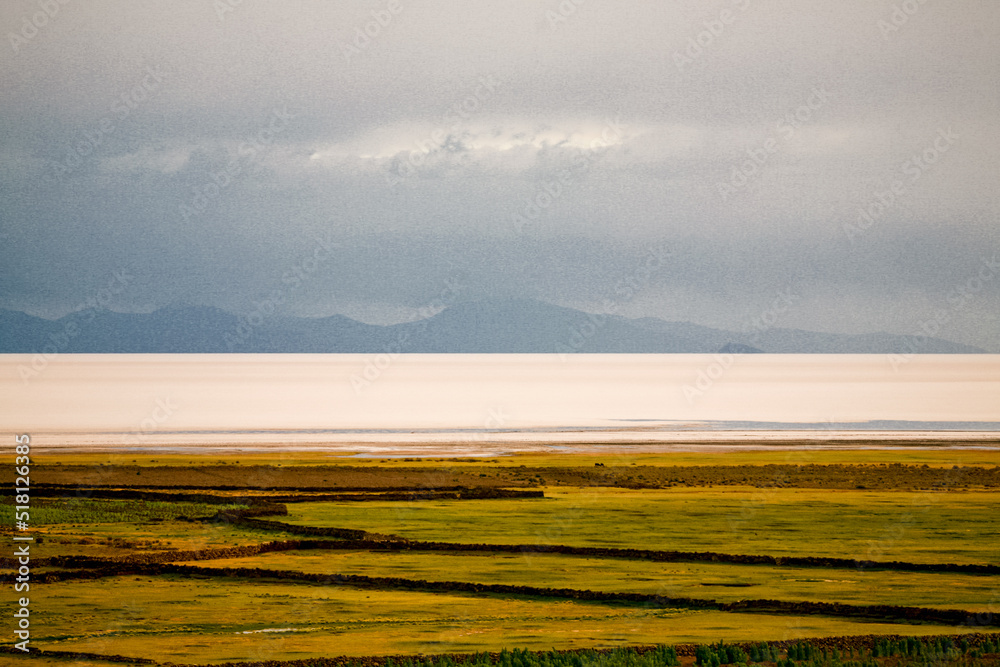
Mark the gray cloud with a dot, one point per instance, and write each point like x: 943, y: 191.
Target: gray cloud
x: 511, y: 147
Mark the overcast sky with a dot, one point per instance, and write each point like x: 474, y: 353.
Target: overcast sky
x: 365, y: 157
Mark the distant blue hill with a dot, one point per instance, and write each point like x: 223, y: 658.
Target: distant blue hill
x: 504, y: 326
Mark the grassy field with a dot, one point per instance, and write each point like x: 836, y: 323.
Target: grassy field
x: 98, y: 540
x: 183, y: 620
x: 718, y: 581
x: 48, y: 511
x: 210, y: 619
x: 109, y: 528
x: 935, y: 527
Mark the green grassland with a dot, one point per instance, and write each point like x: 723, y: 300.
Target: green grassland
x: 49, y: 511
x: 934, y: 527
x: 717, y: 581
x: 189, y: 620
x: 99, y: 540
x: 205, y: 619
x: 110, y: 528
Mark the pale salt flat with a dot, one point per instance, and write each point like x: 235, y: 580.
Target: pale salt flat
x: 492, y: 404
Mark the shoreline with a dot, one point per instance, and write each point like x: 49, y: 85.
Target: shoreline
x: 571, y: 444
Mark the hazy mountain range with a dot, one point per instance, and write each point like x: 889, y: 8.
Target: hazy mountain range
x: 511, y: 326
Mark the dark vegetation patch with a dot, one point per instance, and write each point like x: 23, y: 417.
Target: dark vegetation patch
x: 354, y: 495
x: 974, y: 649
x: 75, y: 655
x: 50, y: 511
x: 726, y: 584
x: 422, y: 479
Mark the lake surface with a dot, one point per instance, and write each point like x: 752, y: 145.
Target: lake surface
x: 338, y: 401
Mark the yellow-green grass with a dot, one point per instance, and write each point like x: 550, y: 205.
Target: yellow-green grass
x: 64, y: 539
x: 744, y: 454
x: 934, y: 527
x: 174, y: 619
x: 196, y: 620
x: 716, y: 581
x: 107, y: 528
